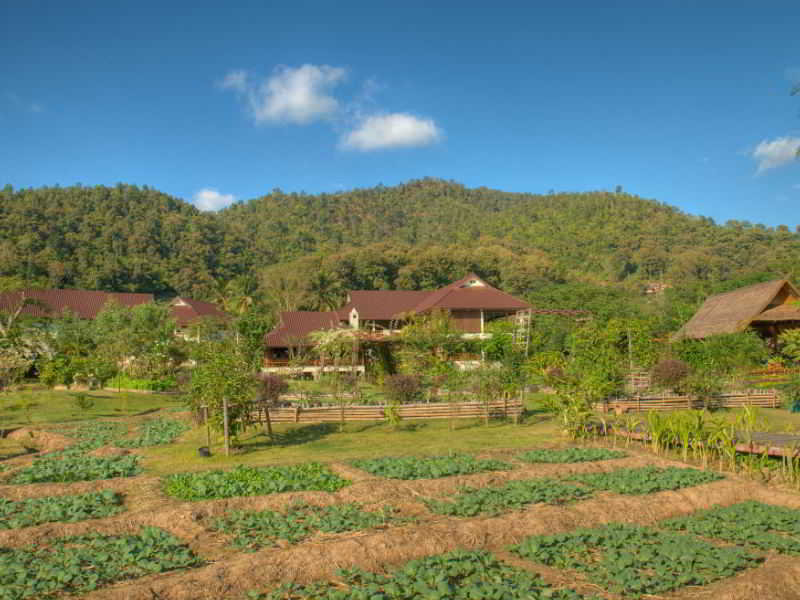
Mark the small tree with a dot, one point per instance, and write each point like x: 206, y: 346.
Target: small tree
x: 223, y: 372
x: 402, y: 389
x: 272, y: 386
x: 670, y: 373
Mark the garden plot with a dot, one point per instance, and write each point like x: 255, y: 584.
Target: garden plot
x: 646, y: 480
x: 254, y: 530
x: 83, y: 461
x: 570, y: 455
x: 634, y: 561
x: 252, y: 481
x: 429, y: 467
x: 749, y: 524
x: 67, y: 509
x: 301, y: 523
x: 459, y: 575
x: 84, y: 563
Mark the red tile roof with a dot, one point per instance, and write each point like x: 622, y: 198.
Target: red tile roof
x: 294, y: 326
x: 186, y: 311
x: 470, y: 293
x: 382, y: 305
x: 84, y: 303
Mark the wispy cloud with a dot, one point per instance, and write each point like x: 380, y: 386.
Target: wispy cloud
x: 21, y: 104
x: 299, y: 95
x: 395, y: 130
x: 771, y: 154
x: 212, y: 199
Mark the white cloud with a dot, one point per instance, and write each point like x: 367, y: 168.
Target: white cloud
x: 395, y: 130
x: 211, y: 199
x: 292, y: 95
x: 776, y: 153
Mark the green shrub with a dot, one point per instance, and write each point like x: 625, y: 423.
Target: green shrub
x: 252, y: 481
x: 429, y: 467
x: 723, y: 353
x: 83, y: 401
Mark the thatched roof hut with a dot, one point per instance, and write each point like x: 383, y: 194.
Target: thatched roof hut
x: 769, y: 307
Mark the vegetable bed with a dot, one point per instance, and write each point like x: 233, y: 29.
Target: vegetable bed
x: 633, y: 561
x: 156, y: 432
x: 749, y: 523
x: 429, y: 467
x: 71, y: 468
x: 514, y: 495
x: 458, y: 575
x: 253, y: 530
x: 570, y: 455
x: 252, y: 481
x: 645, y: 480
x: 83, y: 563
x: 49, y: 509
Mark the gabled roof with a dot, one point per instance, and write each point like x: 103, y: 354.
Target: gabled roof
x: 294, y: 326
x: 382, y: 305
x: 470, y: 293
x: 733, y: 311
x: 86, y: 304
x: 186, y: 311
x: 784, y: 312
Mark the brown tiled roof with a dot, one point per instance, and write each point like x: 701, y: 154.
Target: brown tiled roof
x: 382, y: 305
x: 460, y: 295
x: 186, y: 311
x: 84, y: 303
x: 294, y: 326
x: 732, y: 311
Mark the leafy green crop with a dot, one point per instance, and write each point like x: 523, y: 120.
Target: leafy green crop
x: 48, y: 509
x: 645, y: 480
x: 155, y: 433
x: 514, y: 495
x: 570, y: 455
x: 749, y: 524
x: 84, y: 563
x: 77, y: 468
x: 633, y: 560
x: 256, y: 529
x: 252, y: 481
x: 429, y: 467
x: 458, y: 575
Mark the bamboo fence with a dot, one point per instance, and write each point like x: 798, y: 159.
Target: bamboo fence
x: 434, y: 410
x: 761, y: 398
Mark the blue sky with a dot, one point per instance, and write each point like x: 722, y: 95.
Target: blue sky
x: 686, y: 102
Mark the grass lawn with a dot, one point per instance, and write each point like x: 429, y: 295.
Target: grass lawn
x: 46, y: 407
x: 325, y: 443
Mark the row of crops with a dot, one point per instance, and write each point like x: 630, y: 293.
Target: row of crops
x: 630, y: 560
x: 76, y: 464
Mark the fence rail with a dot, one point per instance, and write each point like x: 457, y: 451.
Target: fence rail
x: 762, y: 398
x: 437, y: 410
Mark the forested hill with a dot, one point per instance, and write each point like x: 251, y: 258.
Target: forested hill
x: 300, y: 250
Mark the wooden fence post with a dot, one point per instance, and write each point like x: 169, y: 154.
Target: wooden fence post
x: 208, y: 428
x: 225, y: 426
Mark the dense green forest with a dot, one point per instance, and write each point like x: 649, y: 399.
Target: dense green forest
x: 595, y: 250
